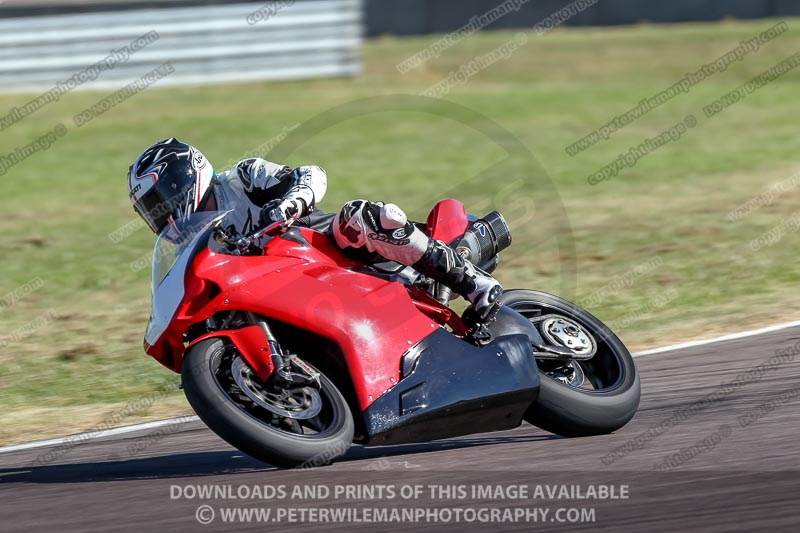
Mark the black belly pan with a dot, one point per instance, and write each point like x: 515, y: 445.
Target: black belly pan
x: 453, y: 388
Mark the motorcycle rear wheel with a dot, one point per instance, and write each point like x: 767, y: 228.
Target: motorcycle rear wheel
x: 613, y: 391
x: 261, y: 422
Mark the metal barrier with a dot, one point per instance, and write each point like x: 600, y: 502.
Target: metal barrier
x: 276, y: 40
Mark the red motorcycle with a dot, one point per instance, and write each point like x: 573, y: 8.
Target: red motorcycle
x: 291, y: 349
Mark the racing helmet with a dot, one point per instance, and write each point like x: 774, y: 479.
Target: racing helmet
x: 168, y: 182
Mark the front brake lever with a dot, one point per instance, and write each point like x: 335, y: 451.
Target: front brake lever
x: 272, y: 229
x: 246, y: 245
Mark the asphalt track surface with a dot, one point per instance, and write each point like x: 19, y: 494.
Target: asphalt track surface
x: 745, y: 477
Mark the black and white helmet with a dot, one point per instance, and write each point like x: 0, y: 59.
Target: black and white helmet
x: 169, y: 181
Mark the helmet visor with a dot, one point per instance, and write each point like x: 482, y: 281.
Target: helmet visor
x: 165, y: 200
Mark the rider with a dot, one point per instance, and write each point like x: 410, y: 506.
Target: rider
x: 171, y: 180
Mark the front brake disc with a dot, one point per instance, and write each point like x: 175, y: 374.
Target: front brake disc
x: 299, y: 403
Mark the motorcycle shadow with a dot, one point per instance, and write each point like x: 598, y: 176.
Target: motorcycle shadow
x: 363, y: 453
x: 212, y: 464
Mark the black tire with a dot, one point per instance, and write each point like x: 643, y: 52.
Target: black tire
x: 245, y: 429
x: 573, y: 412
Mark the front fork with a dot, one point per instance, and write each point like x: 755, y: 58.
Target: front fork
x: 290, y: 370
x: 273, y: 348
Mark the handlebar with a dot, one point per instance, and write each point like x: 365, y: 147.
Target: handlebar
x: 272, y: 229
x: 246, y: 244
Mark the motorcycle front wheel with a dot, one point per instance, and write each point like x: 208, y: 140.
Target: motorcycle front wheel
x: 578, y: 397
x: 291, y: 426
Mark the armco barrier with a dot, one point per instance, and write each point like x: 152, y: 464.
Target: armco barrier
x: 276, y: 40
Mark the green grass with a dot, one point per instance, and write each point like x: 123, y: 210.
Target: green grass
x: 60, y: 205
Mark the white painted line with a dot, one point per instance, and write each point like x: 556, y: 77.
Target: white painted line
x: 82, y: 437
x: 79, y: 438
x: 729, y: 337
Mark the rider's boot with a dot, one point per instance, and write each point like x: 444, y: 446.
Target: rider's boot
x: 444, y: 265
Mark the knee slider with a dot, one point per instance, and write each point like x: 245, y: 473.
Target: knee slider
x: 392, y: 217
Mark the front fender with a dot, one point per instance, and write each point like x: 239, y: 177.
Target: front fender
x: 251, y: 343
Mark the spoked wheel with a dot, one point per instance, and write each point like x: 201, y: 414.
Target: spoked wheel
x: 594, y: 392
x: 287, y: 425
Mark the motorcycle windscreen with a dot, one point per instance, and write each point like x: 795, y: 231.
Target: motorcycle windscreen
x: 176, y: 246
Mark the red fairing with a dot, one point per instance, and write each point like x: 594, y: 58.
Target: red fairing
x: 201, y: 300
x: 447, y: 221
x: 373, y: 321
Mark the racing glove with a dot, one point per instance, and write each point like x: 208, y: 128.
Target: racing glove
x: 310, y: 183
x: 280, y: 210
